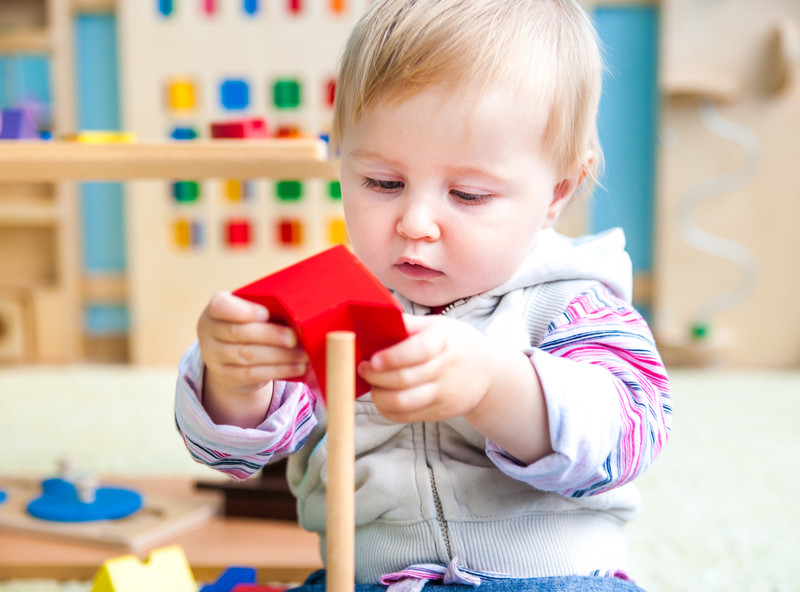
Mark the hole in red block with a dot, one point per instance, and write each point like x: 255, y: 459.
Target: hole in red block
x: 290, y: 232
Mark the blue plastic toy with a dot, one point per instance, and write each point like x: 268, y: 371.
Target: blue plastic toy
x: 60, y: 502
x: 230, y: 578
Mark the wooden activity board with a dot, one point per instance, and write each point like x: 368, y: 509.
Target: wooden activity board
x: 744, y: 59
x: 159, y: 519
x: 185, y: 64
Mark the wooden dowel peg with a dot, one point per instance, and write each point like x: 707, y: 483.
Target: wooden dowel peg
x: 340, y: 394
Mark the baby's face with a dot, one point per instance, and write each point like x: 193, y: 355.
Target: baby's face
x: 444, y: 196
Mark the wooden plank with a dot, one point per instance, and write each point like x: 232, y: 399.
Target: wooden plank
x: 27, y: 215
x: 82, y: 6
x: 104, y: 287
x: 25, y: 40
x: 62, y: 70
x: 287, y: 159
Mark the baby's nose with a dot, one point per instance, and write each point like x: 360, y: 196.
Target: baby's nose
x: 418, y: 221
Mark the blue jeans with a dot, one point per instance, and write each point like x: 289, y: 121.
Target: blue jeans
x: 316, y: 583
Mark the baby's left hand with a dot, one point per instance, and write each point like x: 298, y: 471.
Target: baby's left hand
x: 443, y: 369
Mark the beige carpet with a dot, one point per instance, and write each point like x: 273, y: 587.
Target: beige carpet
x: 721, y: 510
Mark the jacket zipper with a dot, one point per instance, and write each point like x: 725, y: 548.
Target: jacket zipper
x: 437, y: 502
x: 452, y: 305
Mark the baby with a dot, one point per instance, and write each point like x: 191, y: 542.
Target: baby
x: 498, y: 439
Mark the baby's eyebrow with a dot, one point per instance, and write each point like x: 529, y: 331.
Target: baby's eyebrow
x: 474, y: 171
x: 369, y: 155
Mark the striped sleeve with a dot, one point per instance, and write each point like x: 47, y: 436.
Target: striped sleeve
x: 608, y: 399
x: 232, y: 450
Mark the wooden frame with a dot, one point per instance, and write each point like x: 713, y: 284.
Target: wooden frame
x: 56, y: 326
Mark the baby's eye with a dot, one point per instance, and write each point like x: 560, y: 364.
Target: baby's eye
x: 471, y: 198
x: 381, y: 185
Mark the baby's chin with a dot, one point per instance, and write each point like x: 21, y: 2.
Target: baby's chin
x: 429, y: 301
x: 429, y: 295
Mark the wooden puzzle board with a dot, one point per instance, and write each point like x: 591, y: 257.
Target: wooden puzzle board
x: 726, y: 48
x: 161, y: 518
x: 170, y: 283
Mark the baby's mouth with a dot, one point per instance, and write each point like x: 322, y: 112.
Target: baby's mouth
x: 417, y: 271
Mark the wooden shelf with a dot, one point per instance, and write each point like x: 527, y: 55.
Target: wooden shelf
x: 25, y: 40
x: 231, y: 159
x: 27, y: 285
x: 28, y: 215
x: 719, y: 90
x: 93, y: 5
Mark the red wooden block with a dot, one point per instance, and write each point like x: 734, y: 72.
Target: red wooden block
x: 330, y: 291
x: 240, y: 129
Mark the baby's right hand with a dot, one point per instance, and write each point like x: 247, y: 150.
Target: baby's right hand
x: 243, y: 352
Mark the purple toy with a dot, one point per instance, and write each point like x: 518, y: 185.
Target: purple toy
x: 18, y: 124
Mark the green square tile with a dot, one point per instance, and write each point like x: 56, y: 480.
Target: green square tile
x: 335, y: 190
x: 289, y: 190
x: 186, y: 191
x: 286, y: 94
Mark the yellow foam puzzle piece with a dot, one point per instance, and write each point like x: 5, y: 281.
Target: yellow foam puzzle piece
x: 166, y: 570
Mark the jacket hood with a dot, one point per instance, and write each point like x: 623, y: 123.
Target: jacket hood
x: 555, y: 257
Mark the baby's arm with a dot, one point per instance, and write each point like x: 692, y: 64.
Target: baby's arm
x: 243, y: 354
x: 236, y: 451
x: 608, y: 399
x: 586, y: 412
x: 447, y: 368
x: 232, y: 386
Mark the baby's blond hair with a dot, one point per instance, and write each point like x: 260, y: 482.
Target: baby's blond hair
x: 546, y: 48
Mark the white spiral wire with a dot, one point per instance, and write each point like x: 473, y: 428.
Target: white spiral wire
x: 712, y: 244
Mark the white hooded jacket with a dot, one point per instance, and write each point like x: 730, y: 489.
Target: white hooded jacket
x: 430, y: 492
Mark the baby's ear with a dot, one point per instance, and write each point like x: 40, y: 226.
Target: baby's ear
x: 566, y: 188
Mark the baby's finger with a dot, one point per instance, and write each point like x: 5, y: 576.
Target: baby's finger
x: 248, y: 354
x: 415, y: 350
x: 401, y: 377
x: 226, y: 307
x: 270, y: 334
